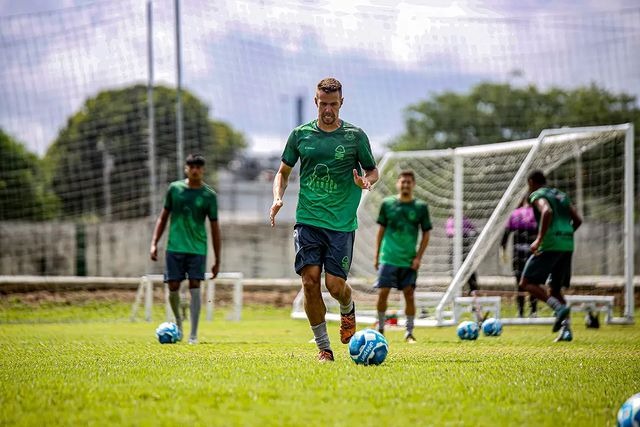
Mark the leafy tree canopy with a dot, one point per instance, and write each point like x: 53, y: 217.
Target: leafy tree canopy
x: 24, y: 193
x: 493, y: 112
x: 104, y: 146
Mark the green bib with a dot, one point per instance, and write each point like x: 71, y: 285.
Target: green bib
x: 402, y: 221
x: 328, y: 196
x: 189, y: 208
x: 559, y: 235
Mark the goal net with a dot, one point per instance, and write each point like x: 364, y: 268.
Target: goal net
x: 471, y: 192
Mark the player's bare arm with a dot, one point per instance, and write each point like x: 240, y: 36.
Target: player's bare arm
x: 379, y: 237
x: 576, y: 219
x: 546, y: 214
x: 280, y: 183
x: 161, y: 224
x: 365, y: 181
x: 217, y: 246
x: 424, y: 243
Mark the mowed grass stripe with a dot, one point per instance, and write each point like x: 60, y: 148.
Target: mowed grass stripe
x: 262, y: 371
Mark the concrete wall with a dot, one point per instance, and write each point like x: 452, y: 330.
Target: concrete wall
x: 121, y: 249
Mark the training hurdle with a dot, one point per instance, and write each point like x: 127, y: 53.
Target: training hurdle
x: 145, y: 293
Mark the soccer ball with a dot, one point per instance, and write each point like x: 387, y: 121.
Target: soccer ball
x: 492, y: 327
x: 368, y: 347
x: 468, y: 330
x: 168, y: 333
x: 629, y: 413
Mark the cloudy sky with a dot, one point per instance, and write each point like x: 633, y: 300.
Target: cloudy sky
x: 249, y: 59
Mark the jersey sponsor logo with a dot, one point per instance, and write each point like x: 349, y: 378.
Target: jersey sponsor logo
x: 339, y: 152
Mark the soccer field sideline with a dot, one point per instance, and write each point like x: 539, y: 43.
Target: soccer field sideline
x: 262, y: 371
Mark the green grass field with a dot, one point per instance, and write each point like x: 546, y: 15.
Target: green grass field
x: 87, y: 365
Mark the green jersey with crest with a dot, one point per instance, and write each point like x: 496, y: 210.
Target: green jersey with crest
x: 189, y: 208
x: 401, y: 220
x: 328, y: 195
x: 559, y: 235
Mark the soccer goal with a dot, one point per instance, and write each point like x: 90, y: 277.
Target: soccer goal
x: 208, y: 287
x: 477, y: 187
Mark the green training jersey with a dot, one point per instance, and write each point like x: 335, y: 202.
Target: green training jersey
x: 559, y: 235
x: 189, y: 208
x: 328, y: 196
x: 401, y: 220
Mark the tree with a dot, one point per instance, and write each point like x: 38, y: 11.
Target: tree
x: 499, y: 112
x: 99, y: 161
x: 24, y: 193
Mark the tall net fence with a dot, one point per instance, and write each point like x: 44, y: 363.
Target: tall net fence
x: 79, y: 188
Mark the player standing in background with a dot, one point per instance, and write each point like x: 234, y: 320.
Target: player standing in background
x: 522, y: 223
x: 552, y: 249
x: 188, y: 202
x: 396, y: 259
x: 331, y: 153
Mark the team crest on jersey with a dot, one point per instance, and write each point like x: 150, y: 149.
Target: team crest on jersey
x: 412, y: 215
x: 339, y: 152
x: 349, y: 136
x: 199, y: 201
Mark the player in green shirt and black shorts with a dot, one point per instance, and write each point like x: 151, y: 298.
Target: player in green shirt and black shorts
x: 189, y: 202
x: 552, y: 250
x: 332, y: 154
x: 396, y: 259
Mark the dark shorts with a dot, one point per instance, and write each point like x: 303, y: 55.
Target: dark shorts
x: 327, y: 248
x: 554, y: 264
x: 390, y: 276
x: 180, y: 266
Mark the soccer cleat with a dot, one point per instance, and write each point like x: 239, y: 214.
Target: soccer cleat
x: 347, y: 326
x: 564, y: 335
x: 410, y: 339
x: 325, y: 356
x: 193, y: 341
x: 381, y: 331
x: 561, y: 314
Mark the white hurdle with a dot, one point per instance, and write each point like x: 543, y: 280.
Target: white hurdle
x: 145, y: 291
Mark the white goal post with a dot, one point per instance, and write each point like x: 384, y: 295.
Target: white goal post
x: 482, y: 185
x: 147, y: 282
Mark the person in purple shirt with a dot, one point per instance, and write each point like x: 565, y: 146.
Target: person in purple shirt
x: 469, y: 233
x: 522, y: 223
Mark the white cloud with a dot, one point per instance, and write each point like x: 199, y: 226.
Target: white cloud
x: 243, y: 56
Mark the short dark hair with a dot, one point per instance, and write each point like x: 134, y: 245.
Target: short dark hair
x: 330, y: 85
x: 407, y: 173
x: 195, y: 159
x: 537, y: 177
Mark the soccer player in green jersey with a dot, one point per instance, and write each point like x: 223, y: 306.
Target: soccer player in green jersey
x: 332, y: 154
x: 396, y: 259
x: 188, y: 202
x: 552, y: 249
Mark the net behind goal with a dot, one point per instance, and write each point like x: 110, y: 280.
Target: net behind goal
x: 476, y: 188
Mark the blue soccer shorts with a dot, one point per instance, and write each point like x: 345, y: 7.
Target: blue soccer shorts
x: 327, y: 248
